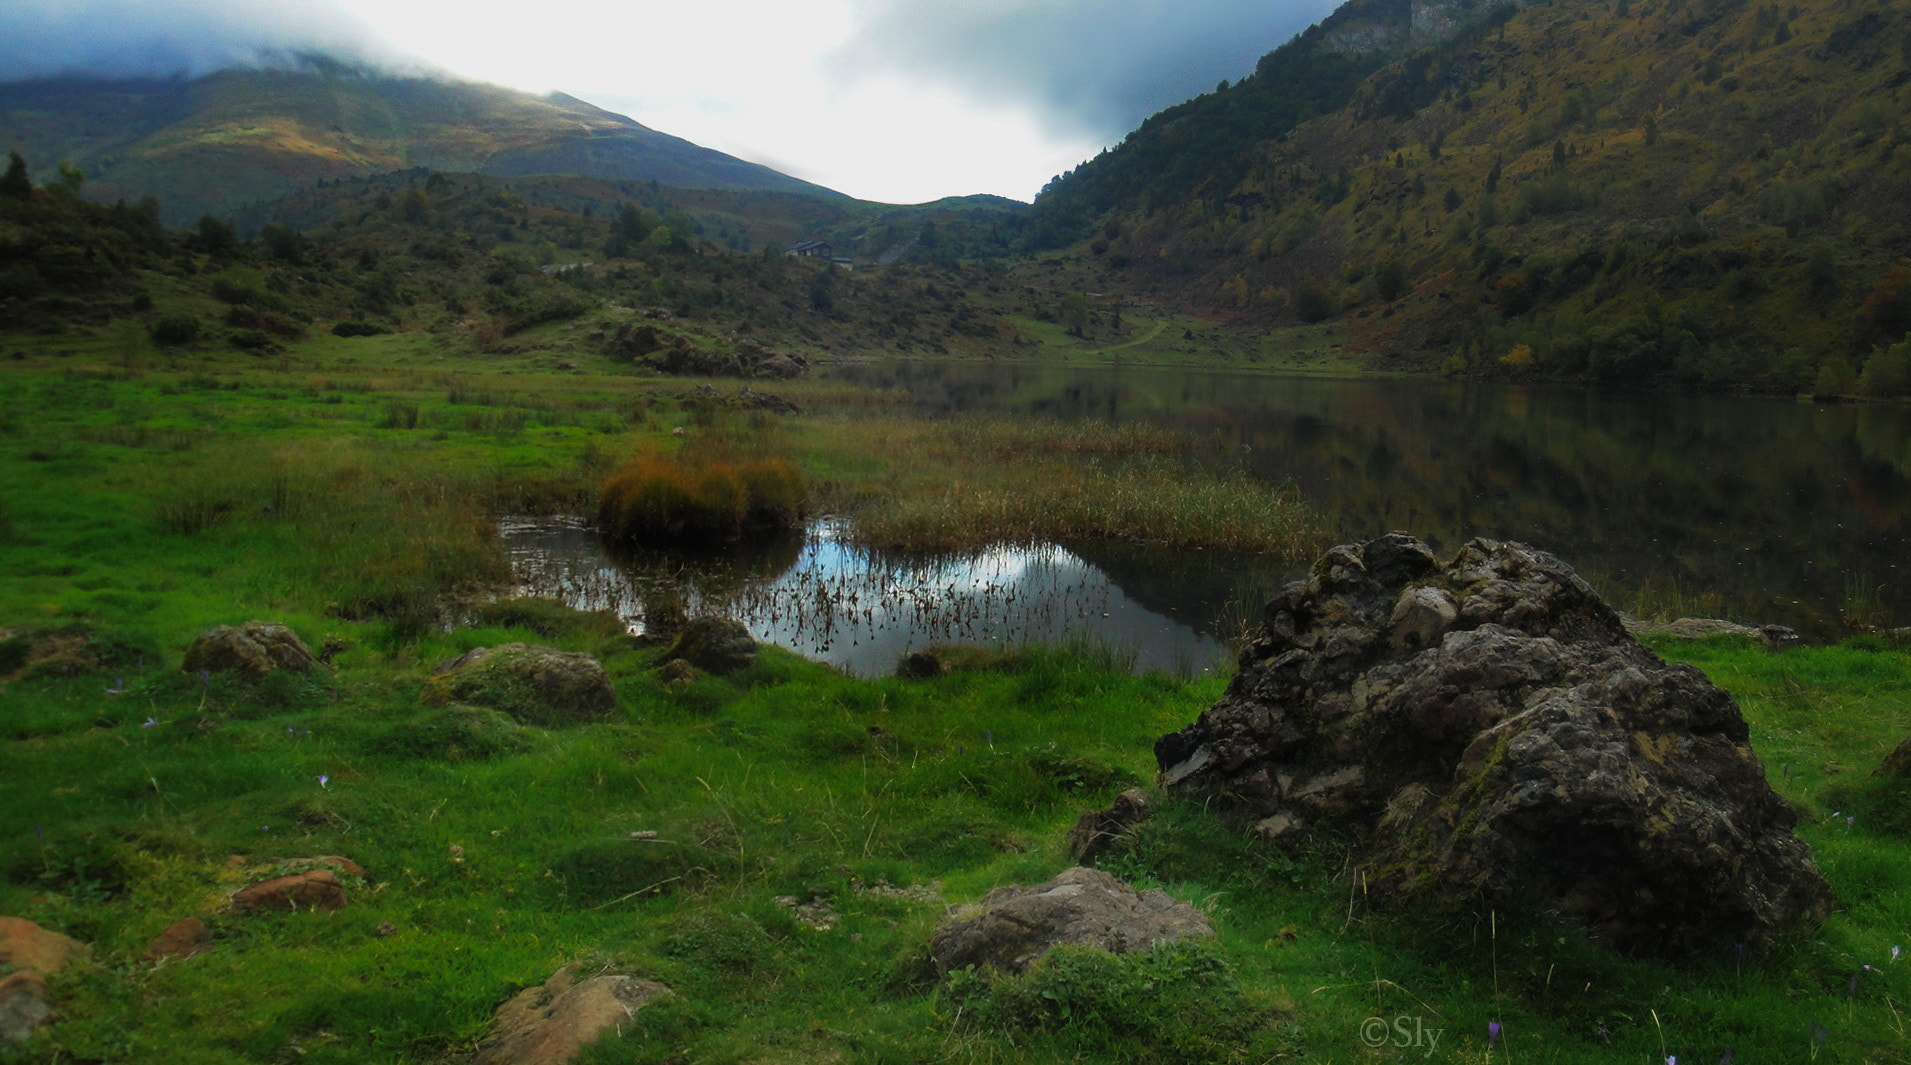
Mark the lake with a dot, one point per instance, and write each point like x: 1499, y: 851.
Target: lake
x: 1755, y: 509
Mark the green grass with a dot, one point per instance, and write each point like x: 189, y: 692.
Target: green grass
x: 144, y: 505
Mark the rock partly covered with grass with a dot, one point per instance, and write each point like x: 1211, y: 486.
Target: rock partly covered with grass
x: 553, y: 1023
x: 1487, y: 729
x: 531, y: 682
x: 254, y: 649
x: 1898, y: 762
x: 1013, y: 925
x: 714, y: 645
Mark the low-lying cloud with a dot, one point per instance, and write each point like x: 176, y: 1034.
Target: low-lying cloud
x: 131, y: 38
x: 1094, y: 67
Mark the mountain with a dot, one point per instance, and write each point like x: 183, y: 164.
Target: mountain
x: 236, y: 137
x: 1706, y: 191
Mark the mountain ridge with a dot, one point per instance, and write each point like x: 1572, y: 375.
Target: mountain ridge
x: 241, y: 136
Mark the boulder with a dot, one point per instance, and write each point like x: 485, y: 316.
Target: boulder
x: 1099, y: 829
x: 750, y: 399
x: 181, y: 939
x: 317, y: 889
x: 23, y: 1006
x: 254, y: 649
x: 27, y: 945
x: 714, y: 645
x: 552, y: 1023
x: 634, y: 341
x: 1898, y: 762
x: 531, y: 682
x: 1013, y: 926
x: 1486, y: 728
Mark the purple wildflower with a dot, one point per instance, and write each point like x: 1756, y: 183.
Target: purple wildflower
x: 1850, y: 821
x: 1819, y: 1033
x: 119, y: 687
x: 1894, y: 953
x: 323, y: 780
x: 205, y: 677
x: 1726, y: 1058
x: 148, y: 723
x: 1492, y: 1031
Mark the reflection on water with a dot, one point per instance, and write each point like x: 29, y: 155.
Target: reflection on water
x: 861, y: 610
x: 1761, y: 510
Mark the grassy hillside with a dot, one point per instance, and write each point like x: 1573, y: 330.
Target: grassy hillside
x: 238, y: 137
x: 1660, y: 191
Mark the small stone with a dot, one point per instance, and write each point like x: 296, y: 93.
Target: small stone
x: 385, y: 929
x: 23, y: 1006
x: 181, y: 939
x: 318, y: 889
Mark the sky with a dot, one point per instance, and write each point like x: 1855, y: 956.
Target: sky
x: 899, y: 101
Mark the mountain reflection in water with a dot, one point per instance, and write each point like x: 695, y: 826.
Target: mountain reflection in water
x: 861, y: 610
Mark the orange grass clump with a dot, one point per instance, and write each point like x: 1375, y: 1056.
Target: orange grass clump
x: 660, y: 500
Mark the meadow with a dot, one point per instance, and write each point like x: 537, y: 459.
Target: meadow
x: 775, y: 845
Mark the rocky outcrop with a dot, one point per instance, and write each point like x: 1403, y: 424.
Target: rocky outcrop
x: 714, y: 645
x: 1099, y: 829
x: 1013, y: 926
x: 533, y: 683
x: 254, y: 649
x: 1486, y: 728
x: 552, y: 1023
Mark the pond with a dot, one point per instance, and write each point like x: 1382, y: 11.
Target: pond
x: 1759, y: 510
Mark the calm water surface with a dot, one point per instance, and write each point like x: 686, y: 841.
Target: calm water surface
x: 1760, y: 510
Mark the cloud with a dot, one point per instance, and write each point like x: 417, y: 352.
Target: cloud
x: 142, y: 38
x: 1087, y: 67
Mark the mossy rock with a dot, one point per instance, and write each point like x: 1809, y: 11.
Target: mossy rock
x: 456, y: 732
x: 714, y: 645
x: 534, y: 684
x: 253, y: 649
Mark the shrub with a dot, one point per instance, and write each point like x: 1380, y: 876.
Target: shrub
x: 357, y: 328
x: 176, y: 329
x: 658, y: 499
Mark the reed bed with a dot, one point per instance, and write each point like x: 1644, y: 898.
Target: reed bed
x: 1038, y: 501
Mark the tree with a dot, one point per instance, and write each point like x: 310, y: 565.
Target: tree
x: 1390, y: 280
x: 15, y: 182
x: 68, y: 185
x: 216, y: 237
x: 1887, y: 373
x: 1075, y: 313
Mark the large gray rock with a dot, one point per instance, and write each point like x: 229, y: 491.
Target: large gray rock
x: 1486, y: 728
x: 1013, y: 926
x: 254, y: 649
x: 531, y: 682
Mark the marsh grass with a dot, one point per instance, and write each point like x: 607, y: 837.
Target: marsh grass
x: 659, y: 499
x: 952, y: 486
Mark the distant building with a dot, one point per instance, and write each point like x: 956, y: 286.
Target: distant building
x: 819, y: 249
